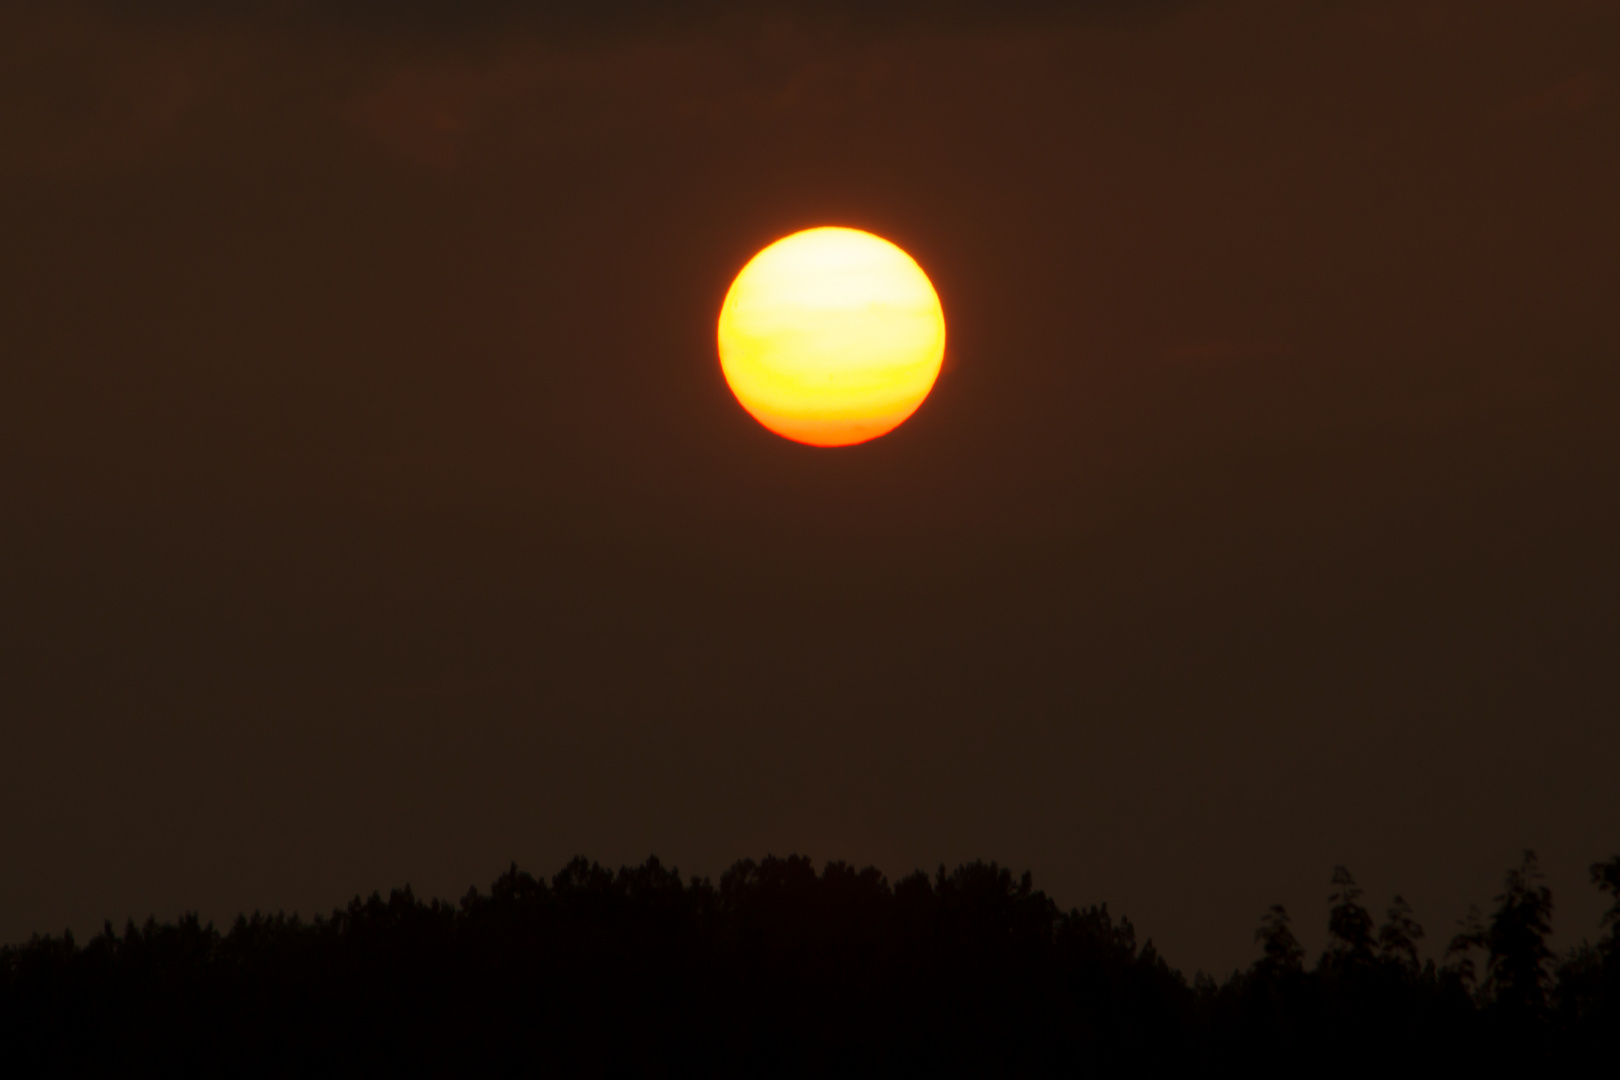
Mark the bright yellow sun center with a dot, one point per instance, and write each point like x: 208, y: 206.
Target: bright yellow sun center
x: 831, y: 337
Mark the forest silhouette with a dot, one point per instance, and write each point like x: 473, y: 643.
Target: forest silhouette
x: 779, y: 970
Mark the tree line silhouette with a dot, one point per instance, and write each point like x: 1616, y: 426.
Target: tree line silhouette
x: 781, y: 971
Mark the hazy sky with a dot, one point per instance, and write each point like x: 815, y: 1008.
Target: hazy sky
x: 372, y: 508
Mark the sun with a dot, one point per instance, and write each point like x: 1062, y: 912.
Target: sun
x: 831, y: 336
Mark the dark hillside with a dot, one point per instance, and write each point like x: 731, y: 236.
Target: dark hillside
x: 783, y: 971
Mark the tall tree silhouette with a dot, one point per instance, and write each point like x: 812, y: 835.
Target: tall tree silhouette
x: 1398, y: 937
x: 1472, y: 934
x: 1280, y: 950
x: 1606, y: 876
x: 1517, y: 938
x: 1350, y: 926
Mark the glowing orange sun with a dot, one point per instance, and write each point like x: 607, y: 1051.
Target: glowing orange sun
x: 831, y: 337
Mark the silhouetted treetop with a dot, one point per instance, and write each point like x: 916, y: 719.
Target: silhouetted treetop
x: 1281, y: 952
x: 1350, y: 926
x: 1399, y: 936
x: 1606, y: 876
x: 1517, y: 938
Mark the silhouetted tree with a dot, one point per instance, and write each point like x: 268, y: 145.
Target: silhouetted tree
x: 1606, y: 876
x: 1471, y: 934
x: 1517, y: 939
x: 1586, y: 996
x: 1398, y: 937
x: 1281, y: 952
x: 1350, y: 926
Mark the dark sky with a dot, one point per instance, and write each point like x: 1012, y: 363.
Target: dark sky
x: 372, y: 508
